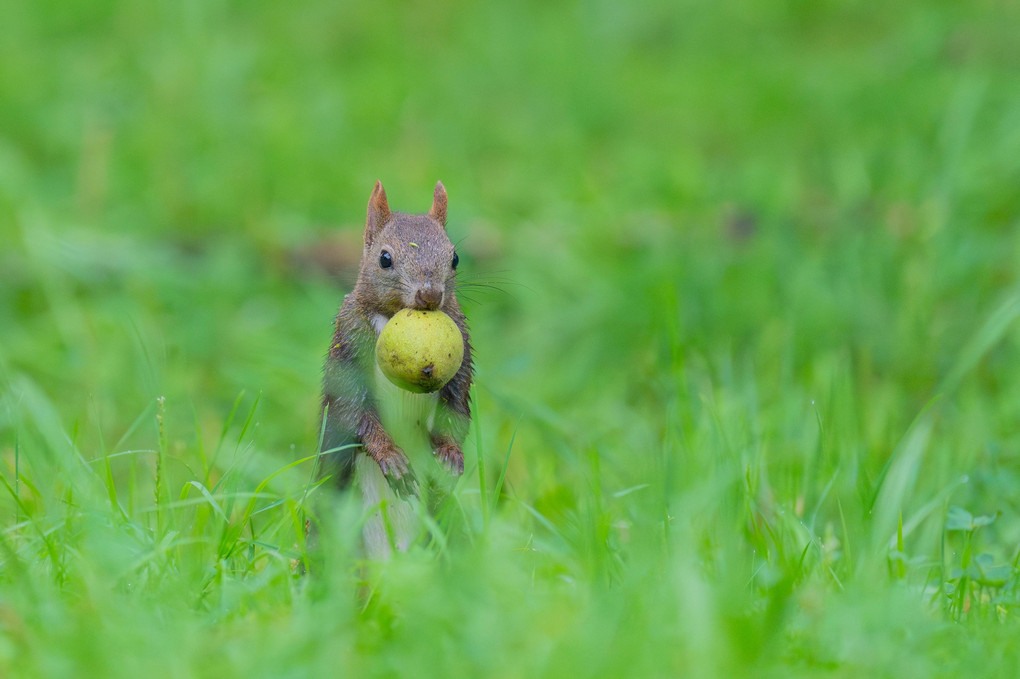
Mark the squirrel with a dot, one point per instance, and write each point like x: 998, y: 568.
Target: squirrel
x: 408, y: 261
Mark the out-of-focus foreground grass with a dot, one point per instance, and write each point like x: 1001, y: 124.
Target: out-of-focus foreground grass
x: 748, y: 368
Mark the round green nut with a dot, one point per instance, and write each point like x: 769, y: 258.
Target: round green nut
x: 420, y: 351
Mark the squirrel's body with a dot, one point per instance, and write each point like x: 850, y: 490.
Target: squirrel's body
x: 408, y: 262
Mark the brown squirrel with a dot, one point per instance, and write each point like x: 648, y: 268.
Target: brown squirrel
x: 408, y: 261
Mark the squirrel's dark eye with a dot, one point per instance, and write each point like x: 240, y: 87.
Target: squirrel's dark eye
x: 456, y: 260
x: 385, y: 260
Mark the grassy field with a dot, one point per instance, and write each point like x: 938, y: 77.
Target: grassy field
x: 748, y: 390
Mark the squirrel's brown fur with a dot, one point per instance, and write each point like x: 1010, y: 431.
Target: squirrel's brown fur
x: 422, y: 276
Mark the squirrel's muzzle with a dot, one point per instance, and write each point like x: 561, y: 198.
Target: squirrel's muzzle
x: 428, y: 297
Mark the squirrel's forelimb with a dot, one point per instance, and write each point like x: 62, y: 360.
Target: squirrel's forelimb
x: 453, y: 414
x: 349, y: 409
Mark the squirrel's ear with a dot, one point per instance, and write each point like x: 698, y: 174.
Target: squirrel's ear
x: 378, y: 212
x: 438, y: 211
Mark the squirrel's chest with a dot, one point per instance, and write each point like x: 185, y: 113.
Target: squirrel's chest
x: 406, y: 416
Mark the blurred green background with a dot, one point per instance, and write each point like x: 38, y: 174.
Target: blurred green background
x: 747, y: 393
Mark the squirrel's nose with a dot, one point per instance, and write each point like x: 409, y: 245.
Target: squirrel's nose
x: 428, y: 297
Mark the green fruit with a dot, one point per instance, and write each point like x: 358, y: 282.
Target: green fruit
x: 420, y: 351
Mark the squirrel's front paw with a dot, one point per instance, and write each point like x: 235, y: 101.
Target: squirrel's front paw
x: 451, y: 456
x: 395, y: 467
x: 391, y: 460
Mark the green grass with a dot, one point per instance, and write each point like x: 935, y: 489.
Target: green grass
x: 748, y: 389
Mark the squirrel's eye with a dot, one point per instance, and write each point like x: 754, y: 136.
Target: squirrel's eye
x: 456, y: 260
x: 385, y: 260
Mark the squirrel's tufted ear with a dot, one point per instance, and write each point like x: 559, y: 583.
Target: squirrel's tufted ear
x: 378, y: 212
x: 438, y: 211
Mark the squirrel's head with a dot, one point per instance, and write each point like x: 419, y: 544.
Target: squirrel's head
x: 408, y: 260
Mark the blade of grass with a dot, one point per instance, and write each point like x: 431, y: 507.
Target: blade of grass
x: 481, y: 461
x: 223, y: 434
x: 506, y: 463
